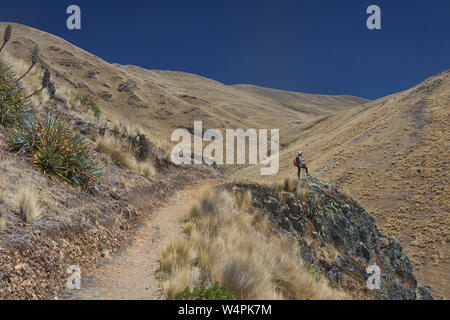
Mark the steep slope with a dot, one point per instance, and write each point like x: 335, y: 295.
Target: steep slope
x: 287, y: 240
x: 336, y: 237
x: 392, y: 156
x: 73, y: 189
x: 164, y: 100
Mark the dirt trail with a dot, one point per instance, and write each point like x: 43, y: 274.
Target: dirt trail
x: 132, y: 274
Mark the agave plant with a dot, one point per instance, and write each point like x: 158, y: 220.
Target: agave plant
x: 34, y: 59
x: 6, y: 36
x: 57, y: 151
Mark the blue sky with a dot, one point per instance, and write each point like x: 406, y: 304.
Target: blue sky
x: 314, y: 46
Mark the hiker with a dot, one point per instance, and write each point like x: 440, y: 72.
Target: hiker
x: 298, y: 161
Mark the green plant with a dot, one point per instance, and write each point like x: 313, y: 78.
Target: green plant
x: 12, y: 107
x: 6, y: 36
x: 57, y: 151
x: 87, y: 101
x: 202, y: 293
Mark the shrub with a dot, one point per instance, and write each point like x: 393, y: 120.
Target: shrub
x: 202, y: 293
x: 87, y: 101
x: 12, y: 107
x: 57, y: 151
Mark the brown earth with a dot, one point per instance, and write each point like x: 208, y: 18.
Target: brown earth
x: 77, y: 228
x: 133, y: 275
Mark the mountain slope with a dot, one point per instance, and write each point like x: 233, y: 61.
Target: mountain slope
x: 392, y: 156
x: 165, y: 100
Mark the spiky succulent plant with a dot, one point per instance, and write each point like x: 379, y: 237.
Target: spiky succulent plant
x: 46, y: 78
x: 6, y: 36
x: 35, y: 55
x: 58, y: 151
x: 51, y: 90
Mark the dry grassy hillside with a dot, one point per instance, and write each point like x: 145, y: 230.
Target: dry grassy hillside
x: 286, y: 240
x: 392, y: 155
x: 228, y: 242
x: 164, y: 100
x: 75, y: 180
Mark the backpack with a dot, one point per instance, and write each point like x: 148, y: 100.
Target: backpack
x: 295, y: 162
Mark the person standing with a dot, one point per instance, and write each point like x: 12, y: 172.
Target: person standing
x: 301, y: 164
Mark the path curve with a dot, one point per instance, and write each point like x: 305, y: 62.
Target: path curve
x: 131, y: 276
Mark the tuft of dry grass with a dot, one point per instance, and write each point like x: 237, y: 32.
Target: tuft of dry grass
x: 290, y: 184
x: 179, y: 280
x: 146, y: 169
x: 244, y: 199
x: 27, y: 201
x: 121, y: 153
x: 3, y: 222
x: 176, y: 255
x: 122, y: 127
x: 224, y: 243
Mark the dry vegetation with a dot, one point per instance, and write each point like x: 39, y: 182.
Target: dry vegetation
x: 31, y: 82
x: 28, y: 206
x: 392, y: 156
x: 226, y: 243
x: 56, y: 196
x: 379, y: 146
x: 122, y: 153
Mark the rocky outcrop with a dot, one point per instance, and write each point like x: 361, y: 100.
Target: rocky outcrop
x: 338, y: 238
x: 128, y: 86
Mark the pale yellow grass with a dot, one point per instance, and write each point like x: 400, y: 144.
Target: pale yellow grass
x: 3, y: 222
x: 28, y: 206
x: 244, y: 252
x: 124, y: 127
x: 121, y: 153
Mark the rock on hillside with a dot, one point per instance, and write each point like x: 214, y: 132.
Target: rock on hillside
x: 338, y: 238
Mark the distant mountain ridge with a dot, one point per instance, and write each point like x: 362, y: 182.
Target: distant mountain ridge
x: 165, y: 100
